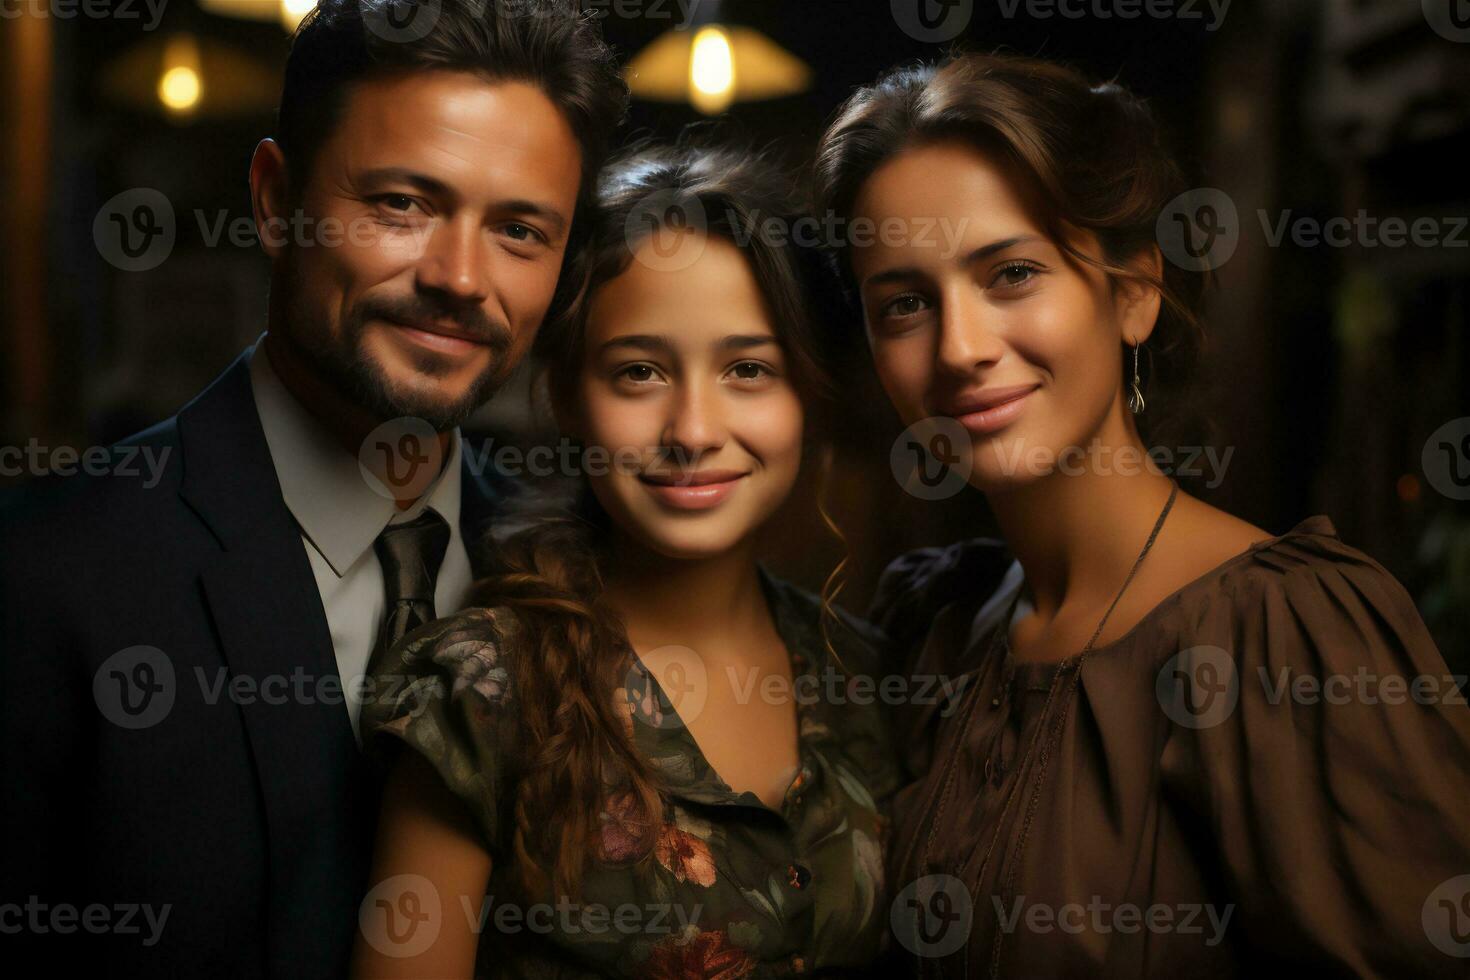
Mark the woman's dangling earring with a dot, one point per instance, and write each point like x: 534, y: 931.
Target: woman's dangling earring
x: 1135, y: 397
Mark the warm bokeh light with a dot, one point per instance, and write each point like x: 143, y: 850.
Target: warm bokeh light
x: 287, y: 12
x: 180, y: 85
x: 179, y: 89
x: 292, y: 11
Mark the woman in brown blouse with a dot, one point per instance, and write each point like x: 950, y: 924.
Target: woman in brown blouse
x: 1183, y: 746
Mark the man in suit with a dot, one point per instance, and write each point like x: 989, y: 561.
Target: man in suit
x: 184, y: 793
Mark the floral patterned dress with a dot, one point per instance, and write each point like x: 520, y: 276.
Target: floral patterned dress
x: 735, y: 888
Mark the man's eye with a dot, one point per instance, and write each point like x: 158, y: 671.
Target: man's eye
x: 397, y: 202
x: 519, y: 232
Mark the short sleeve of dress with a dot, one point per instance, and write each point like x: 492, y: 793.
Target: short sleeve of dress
x: 1328, y: 749
x: 445, y: 691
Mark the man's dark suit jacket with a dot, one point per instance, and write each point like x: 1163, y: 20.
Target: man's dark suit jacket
x: 251, y: 822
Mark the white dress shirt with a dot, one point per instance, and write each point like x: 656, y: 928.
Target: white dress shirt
x: 341, y: 515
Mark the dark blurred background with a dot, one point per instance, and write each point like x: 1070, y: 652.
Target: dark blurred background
x: 1336, y: 370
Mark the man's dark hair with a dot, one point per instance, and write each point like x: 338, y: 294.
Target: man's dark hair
x: 550, y: 44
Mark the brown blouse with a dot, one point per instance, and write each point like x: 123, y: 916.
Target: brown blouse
x: 1272, y: 768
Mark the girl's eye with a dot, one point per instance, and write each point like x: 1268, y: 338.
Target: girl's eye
x: 905, y: 305
x: 637, y: 373
x: 1015, y: 274
x: 751, y: 371
x: 520, y: 232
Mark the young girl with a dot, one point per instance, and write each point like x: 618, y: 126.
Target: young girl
x: 617, y: 763
x: 1185, y: 746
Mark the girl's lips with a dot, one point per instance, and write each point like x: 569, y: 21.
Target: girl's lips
x: 692, y: 496
x: 996, y: 415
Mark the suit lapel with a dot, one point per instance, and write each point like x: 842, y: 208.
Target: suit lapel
x: 268, y: 613
x: 320, y: 794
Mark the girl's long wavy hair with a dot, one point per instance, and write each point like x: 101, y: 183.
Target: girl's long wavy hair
x: 582, y: 760
x: 1089, y: 155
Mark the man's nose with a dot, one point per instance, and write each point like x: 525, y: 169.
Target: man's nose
x: 456, y: 260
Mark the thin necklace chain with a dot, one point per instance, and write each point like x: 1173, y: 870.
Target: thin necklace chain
x: 969, y: 716
x: 1147, y: 546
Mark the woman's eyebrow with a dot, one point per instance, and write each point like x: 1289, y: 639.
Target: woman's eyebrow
x: 905, y: 273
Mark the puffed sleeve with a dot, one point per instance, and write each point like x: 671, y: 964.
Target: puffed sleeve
x: 922, y: 608
x: 917, y: 584
x: 445, y: 690
x: 1336, y: 776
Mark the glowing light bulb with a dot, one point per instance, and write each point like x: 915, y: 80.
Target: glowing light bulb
x: 711, y: 71
x: 180, y: 86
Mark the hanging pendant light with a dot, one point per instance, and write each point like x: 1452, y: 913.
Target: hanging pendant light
x: 186, y: 78
x: 714, y: 65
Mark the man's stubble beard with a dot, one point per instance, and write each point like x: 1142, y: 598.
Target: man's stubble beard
x: 342, y: 362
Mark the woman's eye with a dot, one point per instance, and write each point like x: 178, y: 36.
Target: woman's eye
x: 1015, y: 274
x: 906, y: 305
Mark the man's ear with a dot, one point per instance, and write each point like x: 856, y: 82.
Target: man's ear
x: 269, y: 196
x: 1139, y: 301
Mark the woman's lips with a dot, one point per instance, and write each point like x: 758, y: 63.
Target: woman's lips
x: 692, y: 491
x: 991, y: 411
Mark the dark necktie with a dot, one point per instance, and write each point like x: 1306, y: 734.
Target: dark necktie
x: 410, y: 554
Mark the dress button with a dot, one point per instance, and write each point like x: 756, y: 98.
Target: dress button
x: 797, y: 876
